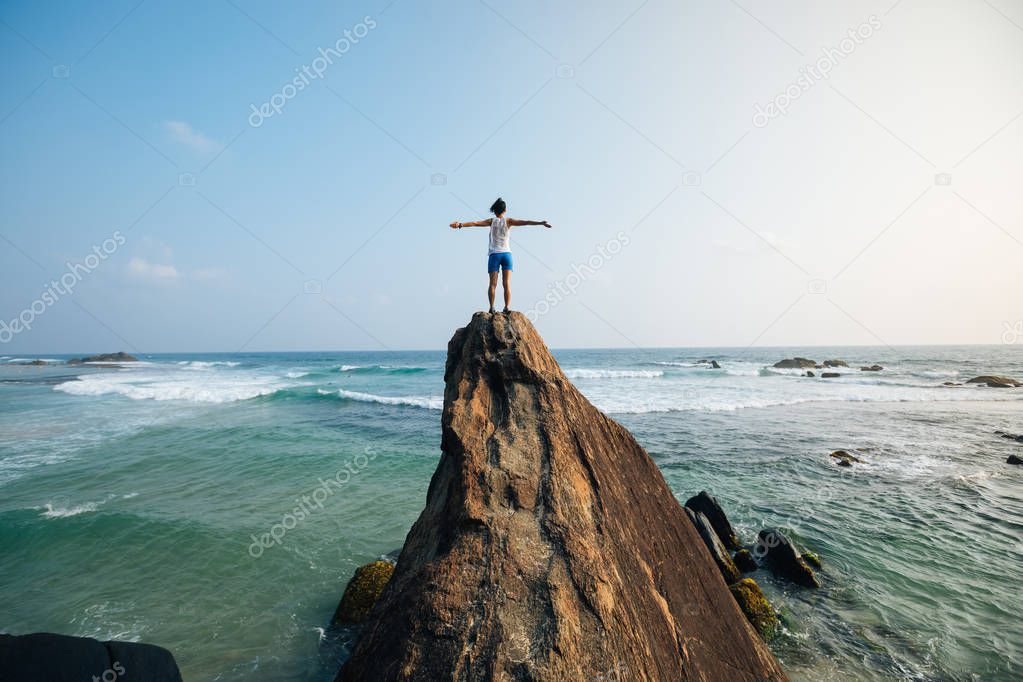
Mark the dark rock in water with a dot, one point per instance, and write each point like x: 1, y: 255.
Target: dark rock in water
x: 950, y: 383
x: 871, y: 368
x: 550, y: 547
x: 745, y: 562
x: 812, y: 559
x: 717, y: 550
x: 782, y: 558
x: 362, y: 592
x: 48, y: 657
x: 706, y: 504
x: 105, y: 357
x: 810, y: 373
x: 844, y: 463
x: 1014, y: 459
x: 795, y: 363
x: 754, y: 604
x: 830, y: 375
x: 714, y: 364
x: 995, y: 381
x: 38, y: 363
x: 843, y: 456
x: 836, y: 363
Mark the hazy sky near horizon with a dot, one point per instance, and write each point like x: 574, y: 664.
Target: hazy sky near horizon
x: 881, y: 208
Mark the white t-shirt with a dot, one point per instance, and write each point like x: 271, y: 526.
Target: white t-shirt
x: 499, y: 230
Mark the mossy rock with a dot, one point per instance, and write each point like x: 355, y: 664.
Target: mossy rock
x: 744, y: 561
x: 362, y: 592
x: 813, y: 560
x: 754, y: 604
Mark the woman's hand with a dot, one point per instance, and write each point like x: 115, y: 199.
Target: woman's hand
x: 546, y: 224
x: 456, y: 226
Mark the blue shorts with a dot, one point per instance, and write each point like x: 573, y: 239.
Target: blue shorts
x: 499, y: 261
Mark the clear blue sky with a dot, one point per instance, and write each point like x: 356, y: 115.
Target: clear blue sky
x: 324, y: 228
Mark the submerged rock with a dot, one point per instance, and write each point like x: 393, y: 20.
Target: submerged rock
x: 745, y: 562
x: 795, y: 363
x: 830, y: 375
x: 809, y: 373
x: 1014, y: 459
x: 844, y: 458
x: 120, y: 356
x: 781, y: 557
x: 871, y: 368
x: 717, y: 550
x: 813, y: 560
x: 50, y: 657
x: 994, y: 381
x: 706, y: 504
x: 550, y: 547
x: 362, y: 592
x: 714, y: 364
x: 754, y: 604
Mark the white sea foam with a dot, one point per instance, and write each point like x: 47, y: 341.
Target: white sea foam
x: 428, y: 402
x: 613, y: 373
x: 297, y: 375
x: 204, y: 364
x: 209, y: 389
x: 52, y: 511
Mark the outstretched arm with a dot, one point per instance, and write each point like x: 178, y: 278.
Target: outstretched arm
x: 476, y: 223
x: 523, y: 223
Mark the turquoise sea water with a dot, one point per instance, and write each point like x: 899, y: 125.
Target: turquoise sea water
x: 129, y: 498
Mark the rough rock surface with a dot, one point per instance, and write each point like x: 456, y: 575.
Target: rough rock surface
x: 871, y: 368
x: 995, y: 381
x: 550, y: 547
x: 62, y: 658
x: 796, y: 363
x: 729, y: 571
x: 781, y: 557
x: 835, y: 363
x: 706, y: 504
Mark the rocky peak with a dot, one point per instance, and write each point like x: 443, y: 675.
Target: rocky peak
x: 550, y: 547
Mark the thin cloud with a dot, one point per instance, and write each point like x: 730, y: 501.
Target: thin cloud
x: 185, y: 134
x: 140, y: 267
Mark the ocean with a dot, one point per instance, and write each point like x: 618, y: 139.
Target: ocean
x: 132, y: 500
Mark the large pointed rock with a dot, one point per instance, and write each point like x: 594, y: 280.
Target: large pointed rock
x: 550, y: 547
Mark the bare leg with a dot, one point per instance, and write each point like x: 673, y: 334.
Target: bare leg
x: 506, y: 284
x: 492, y: 290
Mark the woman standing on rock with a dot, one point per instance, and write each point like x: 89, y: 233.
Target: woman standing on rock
x: 499, y: 258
